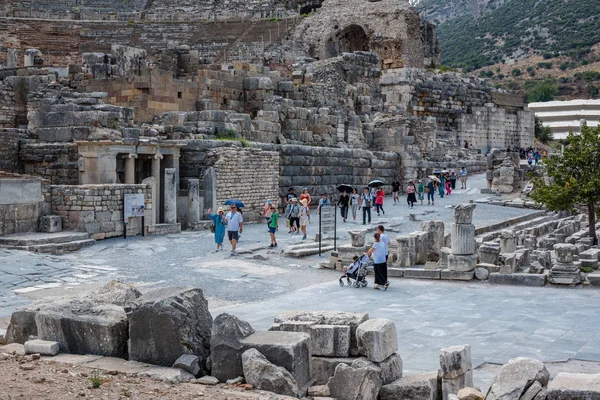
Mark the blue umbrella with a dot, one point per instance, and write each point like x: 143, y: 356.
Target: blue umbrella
x: 235, y: 202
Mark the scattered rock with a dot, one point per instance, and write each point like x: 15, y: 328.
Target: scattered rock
x: 482, y: 274
x: 532, y: 392
x: 189, y: 363
x: 319, y: 391
x: 264, y: 375
x: 225, y: 346
x: 207, y: 380
x: 516, y: 377
x: 43, y: 347
x: 455, y: 361
x: 568, y: 386
x: 470, y: 394
x: 235, y: 381
x: 390, y: 369
x: 415, y: 387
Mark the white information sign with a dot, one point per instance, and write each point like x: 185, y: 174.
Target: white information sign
x: 328, y: 218
x: 134, y: 205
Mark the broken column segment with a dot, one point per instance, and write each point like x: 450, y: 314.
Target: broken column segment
x: 456, y: 369
x: 462, y: 261
x: 564, y: 271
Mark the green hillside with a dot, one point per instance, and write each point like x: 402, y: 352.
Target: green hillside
x: 477, y: 33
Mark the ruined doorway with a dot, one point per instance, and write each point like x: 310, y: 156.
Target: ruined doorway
x: 350, y: 39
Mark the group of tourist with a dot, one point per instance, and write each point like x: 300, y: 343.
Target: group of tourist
x: 531, y: 154
x: 380, y: 253
x: 297, y: 210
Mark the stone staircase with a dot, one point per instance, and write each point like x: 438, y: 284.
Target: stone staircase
x: 53, y: 243
x: 308, y: 249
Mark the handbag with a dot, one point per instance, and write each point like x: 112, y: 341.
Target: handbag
x: 213, y: 227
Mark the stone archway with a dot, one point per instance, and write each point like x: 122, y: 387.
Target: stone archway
x: 351, y: 38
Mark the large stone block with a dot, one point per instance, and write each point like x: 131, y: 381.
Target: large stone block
x: 463, y: 239
x: 569, y: 386
x: 420, y: 245
x: 225, y: 346
x: 565, y: 252
x: 508, y: 241
x: 435, y: 235
x: 462, y: 263
x: 446, y: 274
x: 170, y: 322
x: 337, y: 318
x: 463, y: 214
x: 330, y: 340
x: 451, y: 386
x: 489, y: 253
x: 390, y: 369
x: 518, y: 279
x: 516, y: 377
x: 83, y: 327
x: 406, y: 251
x: 354, y: 383
x: 414, y: 387
x: 50, y: 223
x: 323, y: 368
x: 22, y: 325
x: 377, y: 339
x: 264, y: 375
x: 456, y: 361
x: 289, y: 350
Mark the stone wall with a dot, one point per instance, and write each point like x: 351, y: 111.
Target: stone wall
x: 97, y: 209
x: 9, y: 148
x: 57, y: 162
x: 463, y: 108
x: 20, y: 204
x: 247, y: 174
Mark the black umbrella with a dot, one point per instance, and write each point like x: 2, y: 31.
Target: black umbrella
x: 376, y: 183
x: 344, y: 188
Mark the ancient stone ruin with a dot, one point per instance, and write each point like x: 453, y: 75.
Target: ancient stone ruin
x: 185, y: 102
x: 324, y: 354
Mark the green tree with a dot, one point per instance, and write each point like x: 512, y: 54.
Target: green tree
x: 574, y: 180
x: 542, y: 91
x: 592, y: 91
x: 516, y: 72
x: 542, y: 133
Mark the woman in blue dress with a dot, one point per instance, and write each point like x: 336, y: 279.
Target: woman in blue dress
x: 220, y: 225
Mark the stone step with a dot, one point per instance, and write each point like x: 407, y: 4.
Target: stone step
x: 54, y: 248
x: 39, y: 238
x: 310, y: 251
x: 308, y: 245
x: 527, y: 221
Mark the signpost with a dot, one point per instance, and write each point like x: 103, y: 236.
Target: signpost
x: 133, y: 206
x: 328, y: 223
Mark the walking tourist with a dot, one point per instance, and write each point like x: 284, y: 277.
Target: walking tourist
x: 290, y: 195
x: 273, y: 225
x: 420, y: 191
x: 379, y: 195
x: 453, y: 178
x: 379, y: 264
x: 441, y: 185
x: 219, y: 226
x: 343, y: 202
x: 448, y: 184
x: 354, y: 200
x: 235, y: 223
x: 267, y: 212
x: 463, y: 178
x: 385, y: 239
x: 291, y: 213
x: 323, y: 201
x: 411, y: 198
x: 396, y: 190
x: 366, y: 203
x: 305, y: 196
x: 304, y: 217
x: 430, y: 189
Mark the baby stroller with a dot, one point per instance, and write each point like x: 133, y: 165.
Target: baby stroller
x: 358, y: 272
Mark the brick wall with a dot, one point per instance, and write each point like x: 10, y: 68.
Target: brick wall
x: 97, y: 209
x: 9, y: 149
x: 250, y: 175
x: 56, y: 162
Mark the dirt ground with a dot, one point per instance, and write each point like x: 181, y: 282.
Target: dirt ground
x: 21, y: 377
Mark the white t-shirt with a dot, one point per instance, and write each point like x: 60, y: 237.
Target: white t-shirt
x: 379, y: 253
x: 234, y: 221
x: 354, y: 199
x: 385, y: 239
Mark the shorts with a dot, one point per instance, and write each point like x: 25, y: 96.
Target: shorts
x: 233, y: 235
x: 303, y: 221
x: 272, y: 229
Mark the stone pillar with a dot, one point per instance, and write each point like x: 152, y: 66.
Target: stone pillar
x: 130, y: 169
x: 435, y: 238
x: 358, y: 237
x: 193, y: 200
x: 156, y: 176
x: 508, y: 241
x: 462, y: 261
x: 420, y: 246
x: 564, y: 271
x: 11, y: 61
x: 30, y: 55
x: 210, y: 188
x: 406, y: 251
x: 170, y: 199
x: 149, y: 211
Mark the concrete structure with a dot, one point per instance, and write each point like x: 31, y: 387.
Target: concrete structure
x: 565, y: 116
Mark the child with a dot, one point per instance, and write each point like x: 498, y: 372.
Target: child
x: 349, y: 269
x: 273, y: 225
